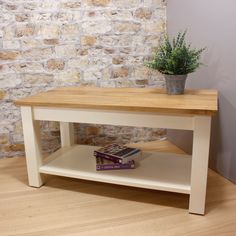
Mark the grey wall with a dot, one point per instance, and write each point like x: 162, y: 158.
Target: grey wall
x: 212, y: 23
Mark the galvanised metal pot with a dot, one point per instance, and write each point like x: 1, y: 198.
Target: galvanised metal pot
x: 175, y: 84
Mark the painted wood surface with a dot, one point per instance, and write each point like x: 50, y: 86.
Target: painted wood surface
x: 33, y: 149
x: 121, y: 118
x: 200, y: 156
x: 160, y: 171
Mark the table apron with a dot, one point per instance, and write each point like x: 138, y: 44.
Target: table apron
x: 122, y: 118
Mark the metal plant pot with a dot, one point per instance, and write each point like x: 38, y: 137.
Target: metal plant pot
x: 175, y: 84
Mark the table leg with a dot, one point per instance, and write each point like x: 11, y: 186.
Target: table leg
x: 200, y: 156
x: 67, y: 134
x: 32, y: 142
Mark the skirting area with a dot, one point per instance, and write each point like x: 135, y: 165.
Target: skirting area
x: 66, y: 206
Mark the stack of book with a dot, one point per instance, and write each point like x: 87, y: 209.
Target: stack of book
x: 115, y: 157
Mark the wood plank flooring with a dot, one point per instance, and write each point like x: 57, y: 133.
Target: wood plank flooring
x: 65, y: 206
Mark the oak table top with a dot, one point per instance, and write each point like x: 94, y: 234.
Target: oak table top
x: 195, y: 102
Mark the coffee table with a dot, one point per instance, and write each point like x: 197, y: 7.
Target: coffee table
x: 137, y: 107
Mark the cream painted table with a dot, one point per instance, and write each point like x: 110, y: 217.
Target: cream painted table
x: 127, y: 107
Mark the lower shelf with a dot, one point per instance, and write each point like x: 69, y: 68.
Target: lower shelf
x: 155, y: 170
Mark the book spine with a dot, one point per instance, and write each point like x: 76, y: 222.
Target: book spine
x: 114, y: 166
x: 108, y: 157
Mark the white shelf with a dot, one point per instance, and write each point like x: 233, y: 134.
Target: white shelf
x: 155, y: 170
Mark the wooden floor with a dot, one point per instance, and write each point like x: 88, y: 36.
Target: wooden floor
x: 67, y: 206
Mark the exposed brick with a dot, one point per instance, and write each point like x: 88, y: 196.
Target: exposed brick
x: 82, y: 52
x: 9, y: 55
x: 25, y: 30
x: 38, y: 53
x: 49, y: 31
x: 97, y: 27
x: 70, y: 31
x: 82, y: 62
x: 142, y: 73
x: 126, y: 4
x: 27, y: 67
x: 109, y: 50
x: 143, y: 13
x: 120, y: 72
x: 11, y: 7
x: 130, y: 27
x: 88, y: 40
x: 92, y: 130
x: 37, y: 79
x: 14, y: 147
x: 51, y: 43
x: 69, y: 76
x: 30, y: 43
x: 71, y: 4
x: 8, y: 32
x: 14, y: 44
x: 22, y: 17
x: 142, y: 82
x: 117, y: 60
x: 2, y: 94
x: 150, y: 27
x: 66, y: 51
x: 98, y: 2
x: 4, y: 138
x: 55, y: 64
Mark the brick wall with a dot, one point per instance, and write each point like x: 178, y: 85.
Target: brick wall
x: 51, y: 43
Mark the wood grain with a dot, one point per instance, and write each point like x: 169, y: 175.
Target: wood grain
x: 67, y: 206
x: 203, y: 102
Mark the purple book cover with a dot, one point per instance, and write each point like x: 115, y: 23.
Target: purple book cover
x: 104, y: 164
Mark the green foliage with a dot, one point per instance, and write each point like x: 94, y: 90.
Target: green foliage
x: 176, y: 57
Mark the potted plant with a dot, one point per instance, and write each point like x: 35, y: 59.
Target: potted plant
x: 176, y: 59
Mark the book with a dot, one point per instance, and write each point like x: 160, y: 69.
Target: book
x: 118, y: 160
x: 118, y: 153
x: 104, y: 164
